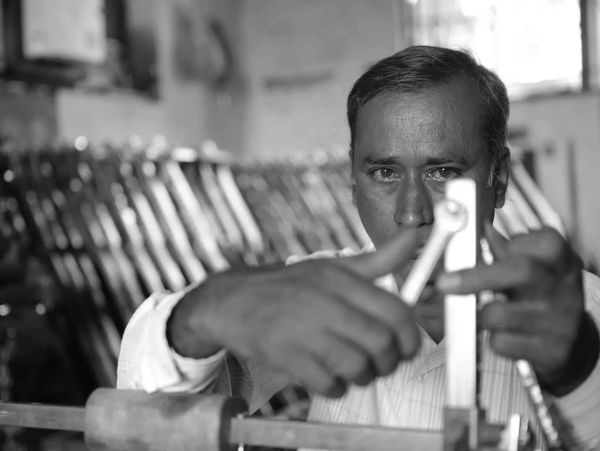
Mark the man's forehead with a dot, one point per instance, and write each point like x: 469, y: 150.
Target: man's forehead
x: 446, y: 112
x: 425, y: 128
x: 454, y: 95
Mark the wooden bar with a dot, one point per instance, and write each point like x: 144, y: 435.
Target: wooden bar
x: 134, y: 420
x: 295, y: 434
x: 42, y: 416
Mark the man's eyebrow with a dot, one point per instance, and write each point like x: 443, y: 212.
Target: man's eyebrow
x: 451, y: 159
x: 432, y: 161
x: 373, y: 159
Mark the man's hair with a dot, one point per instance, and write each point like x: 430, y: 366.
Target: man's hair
x: 417, y: 68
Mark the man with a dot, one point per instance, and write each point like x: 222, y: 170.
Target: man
x: 417, y: 119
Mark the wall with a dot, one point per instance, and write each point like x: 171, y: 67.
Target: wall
x: 186, y: 110
x: 294, y: 63
x: 556, y: 126
x: 299, y: 60
x: 27, y: 117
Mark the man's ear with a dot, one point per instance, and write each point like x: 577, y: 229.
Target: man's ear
x: 501, y: 177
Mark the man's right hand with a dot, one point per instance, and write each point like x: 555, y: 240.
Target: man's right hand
x: 323, y: 322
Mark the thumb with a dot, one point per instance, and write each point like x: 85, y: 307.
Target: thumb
x: 387, y: 259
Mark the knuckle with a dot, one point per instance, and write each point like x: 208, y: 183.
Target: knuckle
x: 525, y: 267
x: 355, y: 367
x: 383, y: 342
x: 384, y: 350
x: 552, y: 242
x: 334, y: 387
x: 332, y: 357
x: 383, y: 347
x: 499, y: 343
x: 399, y: 314
x: 492, y: 315
x: 410, y: 342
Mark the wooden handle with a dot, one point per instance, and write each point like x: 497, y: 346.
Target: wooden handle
x: 134, y: 420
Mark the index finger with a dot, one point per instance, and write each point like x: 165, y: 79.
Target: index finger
x: 387, y: 259
x: 548, y: 247
x: 503, y: 275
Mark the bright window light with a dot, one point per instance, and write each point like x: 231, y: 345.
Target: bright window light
x: 534, y: 45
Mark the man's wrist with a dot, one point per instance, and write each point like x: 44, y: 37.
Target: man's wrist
x: 583, y: 358
x: 185, y: 333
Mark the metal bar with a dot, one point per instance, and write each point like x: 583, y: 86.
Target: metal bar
x: 461, y: 310
x: 449, y: 218
x: 42, y: 416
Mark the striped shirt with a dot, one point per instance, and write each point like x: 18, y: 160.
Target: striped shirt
x: 411, y: 397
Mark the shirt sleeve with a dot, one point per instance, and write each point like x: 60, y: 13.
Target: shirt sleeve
x: 146, y: 360
x: 581, y: 407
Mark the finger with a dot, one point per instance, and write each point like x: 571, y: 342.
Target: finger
x: 529, y: 347
x: 498, y: 242
x: 369, y: 308
x: 522, y: 318
x: 387, y: 259
x: 375, y: 329
x: 311, y: 373
x: 548, y: 247
x: 380, y: 345
x: 344, y: 359
x: 511, y: 274
x: 515, y: 346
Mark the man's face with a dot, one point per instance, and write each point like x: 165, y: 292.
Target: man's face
x: 407, y: 145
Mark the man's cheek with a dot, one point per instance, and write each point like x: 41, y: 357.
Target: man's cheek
x: 378, y: 224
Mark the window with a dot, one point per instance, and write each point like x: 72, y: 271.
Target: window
x: 533, y: 45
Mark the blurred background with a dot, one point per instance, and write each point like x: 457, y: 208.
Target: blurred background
x: 145, y: 143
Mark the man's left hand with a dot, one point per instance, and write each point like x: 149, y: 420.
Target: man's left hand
x: 544, y: 320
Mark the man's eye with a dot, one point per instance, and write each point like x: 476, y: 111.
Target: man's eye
x: 443, y: 174
x: 384, y: 175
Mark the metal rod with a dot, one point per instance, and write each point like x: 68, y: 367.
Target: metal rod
x: 461, y: 310
x: 450, y: 217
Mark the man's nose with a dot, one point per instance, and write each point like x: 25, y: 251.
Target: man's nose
x: 414, y: 206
